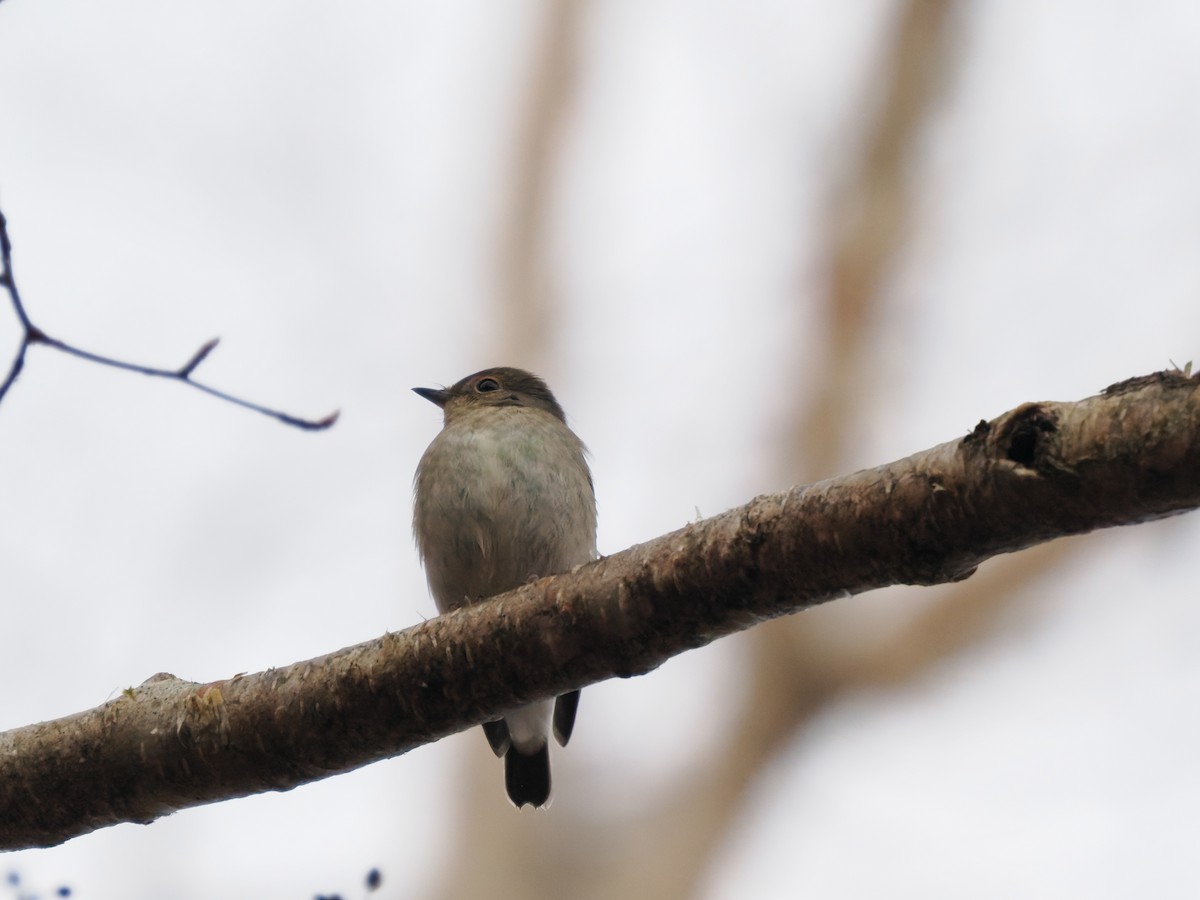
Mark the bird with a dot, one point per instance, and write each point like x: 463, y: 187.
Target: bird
x: 503, y: 495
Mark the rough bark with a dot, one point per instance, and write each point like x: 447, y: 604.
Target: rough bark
x: 1041, y: 471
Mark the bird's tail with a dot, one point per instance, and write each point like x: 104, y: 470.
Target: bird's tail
x: 527, y: 776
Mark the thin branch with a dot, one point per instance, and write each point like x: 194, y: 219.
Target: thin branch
x: 29, y: 333
x: 198, y: 357
x: 33, y: 335
x: 1041, y: 471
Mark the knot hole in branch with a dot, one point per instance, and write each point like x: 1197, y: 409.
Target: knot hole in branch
x: 1021, y: 437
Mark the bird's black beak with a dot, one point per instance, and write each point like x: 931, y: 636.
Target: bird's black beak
x: 433, y: 395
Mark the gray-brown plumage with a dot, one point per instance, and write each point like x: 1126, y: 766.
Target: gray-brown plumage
x: 503, y: 495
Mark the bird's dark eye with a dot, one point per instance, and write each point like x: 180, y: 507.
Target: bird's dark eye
x: 486, y: 385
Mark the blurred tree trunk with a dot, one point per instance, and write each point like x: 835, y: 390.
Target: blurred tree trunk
x: 664, y: 850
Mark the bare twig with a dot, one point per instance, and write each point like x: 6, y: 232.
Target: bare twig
x: 1041, y: 471
x: 31, y: 335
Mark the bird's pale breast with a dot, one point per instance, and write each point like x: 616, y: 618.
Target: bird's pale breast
x: 503, y: 494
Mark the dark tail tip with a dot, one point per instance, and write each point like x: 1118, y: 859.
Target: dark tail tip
x: 527, y: 778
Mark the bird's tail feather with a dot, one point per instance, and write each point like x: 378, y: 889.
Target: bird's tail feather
x: 527, y: 777
x: 564, y: 716
x: 497, y: 736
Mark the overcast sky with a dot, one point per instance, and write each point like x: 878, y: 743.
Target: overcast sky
x: 321, y: 184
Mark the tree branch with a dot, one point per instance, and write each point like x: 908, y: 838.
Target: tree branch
x: 1041, y: 471
x: 31, y: 335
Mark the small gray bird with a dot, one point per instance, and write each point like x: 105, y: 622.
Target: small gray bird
x: 503, y: 496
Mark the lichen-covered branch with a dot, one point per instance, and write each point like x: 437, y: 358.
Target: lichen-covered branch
x: 1041, y: 471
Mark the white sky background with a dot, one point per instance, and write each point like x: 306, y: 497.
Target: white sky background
x: 320, y: 186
